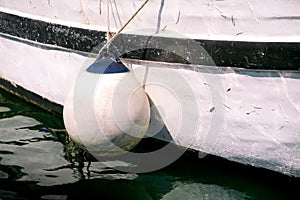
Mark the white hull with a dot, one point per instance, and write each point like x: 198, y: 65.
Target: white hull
x: 255, y: 20
x: 259, y: 110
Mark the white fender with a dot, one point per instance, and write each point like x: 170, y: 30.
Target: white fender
x: 108, y: 118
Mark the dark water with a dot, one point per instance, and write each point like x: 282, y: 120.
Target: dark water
x: 38, y: 161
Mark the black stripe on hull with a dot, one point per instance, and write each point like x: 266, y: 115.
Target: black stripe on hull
x: 252, y: 55
x: 48, y: 33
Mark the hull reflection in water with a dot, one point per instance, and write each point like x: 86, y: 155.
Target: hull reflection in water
x: 38, y: 161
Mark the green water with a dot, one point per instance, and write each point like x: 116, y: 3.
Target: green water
x: 38, y: 161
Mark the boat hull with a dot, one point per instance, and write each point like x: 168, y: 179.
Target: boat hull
x: 239, y: 99
x: 231, y: 20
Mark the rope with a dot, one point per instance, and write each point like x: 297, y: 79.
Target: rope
x: 122, y: 28
x: 108, y: 23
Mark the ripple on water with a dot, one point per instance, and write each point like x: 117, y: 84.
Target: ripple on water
x: 202, y: 192
x: 35, y: 151
x: 8, y: 195
x: 17, y: 122
x: 41, y: 157
x: 3, y: 175
x: 4, y: 109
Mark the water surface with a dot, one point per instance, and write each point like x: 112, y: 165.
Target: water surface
x: 39, y: 161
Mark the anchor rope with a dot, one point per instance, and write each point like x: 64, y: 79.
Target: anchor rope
x: 122, y: 28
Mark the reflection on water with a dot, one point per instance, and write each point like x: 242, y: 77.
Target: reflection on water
x: 38, y: 161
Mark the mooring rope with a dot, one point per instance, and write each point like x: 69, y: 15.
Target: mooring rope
x: 108, y: 23
x: 122, y: 28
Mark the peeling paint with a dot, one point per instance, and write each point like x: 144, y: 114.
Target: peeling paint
x: 82, y: 14
x: 100, y: 7
x: 257, y: 107
x: 33, y: 6
x: 219, y: 10
x: 164, y: 28
x: 232, y: 20
x: 253, y: 12
x: 178, y: 17
x: 50, y: 3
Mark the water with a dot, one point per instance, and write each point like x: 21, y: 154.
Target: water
x: 39, y: 161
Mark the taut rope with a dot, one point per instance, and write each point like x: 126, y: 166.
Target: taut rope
x: 110, y: 39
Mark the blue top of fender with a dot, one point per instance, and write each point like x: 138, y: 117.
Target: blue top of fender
x: 107, y: 66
